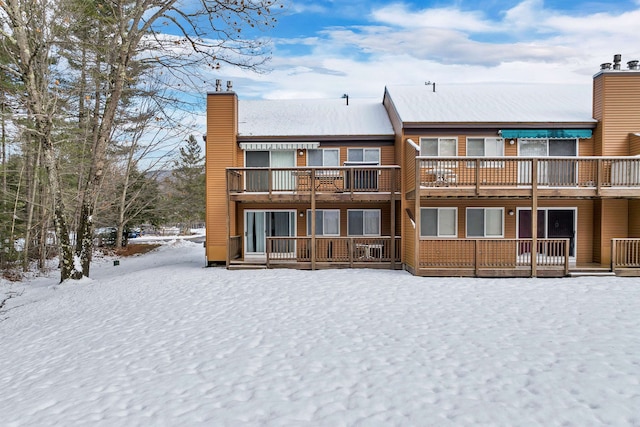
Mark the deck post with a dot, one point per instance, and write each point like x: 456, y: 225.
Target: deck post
x: 476, y: 256
x: 598, y: 176
x: 392, y: 245
x: 313, y: 219
x: 417, y: 217
x: 268, y: 243
x: 613, y: 254
x: 477, y: 172
x: 228, y: 223
x: 534, y: 217
x: 351, y: 248
x: 566, y: 257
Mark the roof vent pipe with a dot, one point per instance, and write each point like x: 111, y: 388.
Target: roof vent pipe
x: 218, y: 85
x: 633, y: 65
x: 605, y: 66
x: 616, y: 61
x: 229, y: 85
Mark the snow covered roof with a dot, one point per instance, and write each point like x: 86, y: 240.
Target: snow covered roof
x: 317, y: 117
x: 499, y: 103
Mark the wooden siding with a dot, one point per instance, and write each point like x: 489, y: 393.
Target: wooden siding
x: 597, y: 231
x: 301, y: 223
x: 387, y: 154
x: 634, y: 144
x: 614, y: 224
x: 586, y: 147
x: 220, y: 153
x: 634, y: 218
x: 619, y: 94
x: 409, y: 240
x: 584, y: 235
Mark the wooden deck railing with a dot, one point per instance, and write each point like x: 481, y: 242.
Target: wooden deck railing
x: 584, y: 172
x: 351, y: 179
x: 334, y: 250
x: 492, y: 254
x: 235, y: 247
x: 625, y: 254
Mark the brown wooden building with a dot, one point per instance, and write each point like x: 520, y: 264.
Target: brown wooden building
x: 435, y: 180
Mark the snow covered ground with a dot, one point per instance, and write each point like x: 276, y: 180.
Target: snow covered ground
x: 160, y: 340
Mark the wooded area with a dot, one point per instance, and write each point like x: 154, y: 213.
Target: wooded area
x: 94, y: 96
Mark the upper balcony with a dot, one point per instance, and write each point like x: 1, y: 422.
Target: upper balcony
x: 364, y: 183
x: 524, y: 177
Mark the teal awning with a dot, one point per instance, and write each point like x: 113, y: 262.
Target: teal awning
x: 546, y: 133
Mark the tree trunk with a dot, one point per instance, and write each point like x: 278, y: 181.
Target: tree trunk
x: 67, y: 264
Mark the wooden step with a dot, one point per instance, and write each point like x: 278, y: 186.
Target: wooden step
x: 238, y: 264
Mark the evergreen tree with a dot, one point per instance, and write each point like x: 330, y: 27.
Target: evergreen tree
x: 188, y: 195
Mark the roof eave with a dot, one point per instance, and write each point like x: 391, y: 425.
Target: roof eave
x: 502, y: 125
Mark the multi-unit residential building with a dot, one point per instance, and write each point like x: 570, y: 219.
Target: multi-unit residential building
x: 456, y: 180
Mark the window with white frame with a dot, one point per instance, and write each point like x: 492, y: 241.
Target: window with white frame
x: 323, y: 157
x: 363, y: 222
x: 485, y: 222
x: 327, y: 222
x: 363, y: 155
x: 438, y: 222
x: 486, y: 147
x: 439, y: 147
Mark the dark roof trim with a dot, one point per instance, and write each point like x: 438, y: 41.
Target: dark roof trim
x: 497, y: 125
x: 336, y: 138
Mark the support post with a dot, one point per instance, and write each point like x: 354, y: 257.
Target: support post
x: 313, y: 219
x: 392, y: 246
x: 228, y: 223
x: 418, y: 196
x: 534, y: 217
x: 477, y: 172
x: 566, y: 257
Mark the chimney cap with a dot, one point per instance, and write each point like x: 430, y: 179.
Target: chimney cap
x: 605, y: 66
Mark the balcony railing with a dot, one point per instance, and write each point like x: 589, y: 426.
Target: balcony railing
x: 517, y: 172
x: 507, y: 255
x: 351, y: 179
x: 334, y: 250
x: 625, y: 255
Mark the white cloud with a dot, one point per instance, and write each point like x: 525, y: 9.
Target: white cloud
x: 528, y: 42
x: 399, y: 15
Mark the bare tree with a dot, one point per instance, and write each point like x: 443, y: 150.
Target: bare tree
x: 27, y: 43
x: 210, y: 33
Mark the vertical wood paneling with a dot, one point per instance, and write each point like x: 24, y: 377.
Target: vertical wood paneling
x: 220, y: 152
x: 634, y: 144
x: 634, y: 218
x: 619, y: 96
x: 614, y: 224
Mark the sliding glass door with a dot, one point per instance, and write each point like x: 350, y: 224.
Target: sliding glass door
x: 262, y: 224
x: 552, y: 224
x: 553, y: 172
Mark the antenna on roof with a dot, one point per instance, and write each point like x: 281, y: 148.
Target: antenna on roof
x: 430, y: 83
x: 346, y: 96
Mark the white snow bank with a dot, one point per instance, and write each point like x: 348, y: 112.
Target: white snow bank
x: 160, y: 340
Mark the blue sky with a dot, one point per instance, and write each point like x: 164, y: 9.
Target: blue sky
x: 322, y: 49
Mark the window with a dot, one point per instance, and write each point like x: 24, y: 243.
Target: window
x: 485, y: 147
x: 438, y: 147
x: 327, y: 222
x: 363, y: 155
x: 438, y: 222
x: 485, y: 222
x: 365, y: 222
x: 323, y: 157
